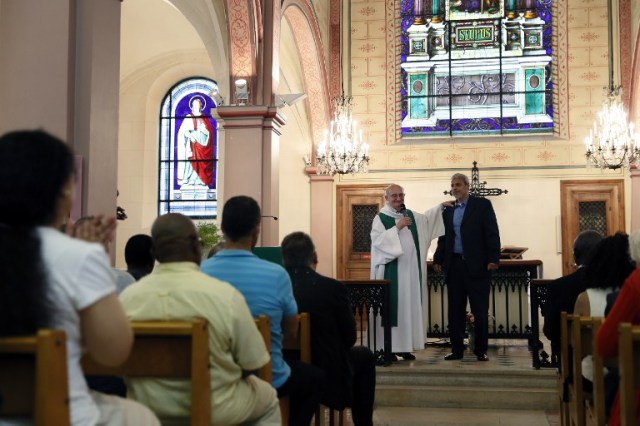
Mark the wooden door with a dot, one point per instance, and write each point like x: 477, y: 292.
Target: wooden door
x: 356, y: 208
x: 589, y: 205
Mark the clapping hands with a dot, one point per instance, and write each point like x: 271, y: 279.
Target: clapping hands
x: 97, y: 229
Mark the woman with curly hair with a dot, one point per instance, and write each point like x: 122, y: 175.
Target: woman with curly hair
x: 48, y: 279
x: 605, y: 273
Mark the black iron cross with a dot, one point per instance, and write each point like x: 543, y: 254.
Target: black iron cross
x: 477, y: 188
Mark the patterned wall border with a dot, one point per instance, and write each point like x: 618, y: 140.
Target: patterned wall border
x: 624, y: 13
x: 392, y: 15
x: 242, y: 52
x: 334, y: 47
x: 560, y: 68
x: 309, y: 45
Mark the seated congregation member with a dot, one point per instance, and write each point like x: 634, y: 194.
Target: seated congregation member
x: 563, y: 292
x: 350, y: 371
x: 267, y: 289
x: 625, y: 309
x: 138, y: 256
x: 49, y: 279
x: 177, y: 290
x: 605, y: 273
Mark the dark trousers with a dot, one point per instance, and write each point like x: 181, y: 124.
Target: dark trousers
x: 364, y: 385
x: 460, y: 286
x: 304, y: 387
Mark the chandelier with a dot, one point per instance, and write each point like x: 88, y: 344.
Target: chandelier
x: 342, y: 151
x: 611, y: 143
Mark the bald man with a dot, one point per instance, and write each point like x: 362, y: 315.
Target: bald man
x: 177, y: 290
x: 400, y: 239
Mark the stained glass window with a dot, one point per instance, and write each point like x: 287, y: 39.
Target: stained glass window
x: 188, y: 151
x: 476, y: 67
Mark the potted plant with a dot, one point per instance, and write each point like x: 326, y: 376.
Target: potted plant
x: 209, y: 235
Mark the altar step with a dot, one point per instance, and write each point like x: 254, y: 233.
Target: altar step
x: 467, y: 384
x: 410, y: 416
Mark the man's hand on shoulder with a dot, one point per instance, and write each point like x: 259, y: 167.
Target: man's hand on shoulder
x: 492, y: 266
x: 437, y: 267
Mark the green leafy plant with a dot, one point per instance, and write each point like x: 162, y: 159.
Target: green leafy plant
x: 209, y: 234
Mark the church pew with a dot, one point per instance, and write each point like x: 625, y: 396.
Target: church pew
x: 262, y: 322
x: 168, y: 349
x: 302, y: 344
x: 594, y: 404
x: 582, y: 345
x: 629, y: 360
x: 33, y: 378
x: 563, y: 373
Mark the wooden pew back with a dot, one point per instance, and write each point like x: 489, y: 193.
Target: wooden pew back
x: 168, y: 349
x: 629, y: 360
x: 594, y: 406
x: 33, y: 378
x: 581, y: 343
x: 565, y: 342
x: 262, y: 322
x: 302, y: 342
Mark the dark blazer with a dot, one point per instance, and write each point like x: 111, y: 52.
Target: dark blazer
x: 333, y: 331
x: 480, y: 238
x: 561, y: 296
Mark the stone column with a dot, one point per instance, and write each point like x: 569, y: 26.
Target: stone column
x: 60, y: 71
x: 37, y: 48
x: 250, y: 137
x: 322, y: 214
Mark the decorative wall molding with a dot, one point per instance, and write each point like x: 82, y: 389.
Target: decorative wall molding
x: 304, y: 25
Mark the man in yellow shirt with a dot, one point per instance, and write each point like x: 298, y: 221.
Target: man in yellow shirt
x: 177, y: 290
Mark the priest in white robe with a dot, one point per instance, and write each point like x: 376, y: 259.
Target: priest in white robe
x: 400, y: 239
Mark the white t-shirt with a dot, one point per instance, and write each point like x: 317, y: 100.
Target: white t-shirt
x: 79, y: 275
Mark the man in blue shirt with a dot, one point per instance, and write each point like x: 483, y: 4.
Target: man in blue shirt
x: 267, y: 290
x: 468, y: 253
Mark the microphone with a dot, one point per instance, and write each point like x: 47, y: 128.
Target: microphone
x: 403, y: 210
x: 268, y: 215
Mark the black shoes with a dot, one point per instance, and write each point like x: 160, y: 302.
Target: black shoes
x: 453, y: 356
x: 482, y: 357
x: 407, y: 356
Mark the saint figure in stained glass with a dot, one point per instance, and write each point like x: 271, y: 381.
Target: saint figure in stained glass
x: 195, y: 146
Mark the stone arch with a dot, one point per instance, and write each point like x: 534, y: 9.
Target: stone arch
x: 208, y: 19
x: 302, y: 20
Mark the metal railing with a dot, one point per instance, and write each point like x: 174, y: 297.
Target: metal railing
x: 369, y: 301
x: 513, y: 309
x: 516, y: 300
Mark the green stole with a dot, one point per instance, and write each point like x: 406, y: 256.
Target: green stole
x: 391, y: 268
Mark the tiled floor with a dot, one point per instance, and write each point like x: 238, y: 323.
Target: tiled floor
x: 504, y: 355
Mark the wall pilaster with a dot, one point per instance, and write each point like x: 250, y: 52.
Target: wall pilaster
x: 251, y: 148
x: 322, y: 228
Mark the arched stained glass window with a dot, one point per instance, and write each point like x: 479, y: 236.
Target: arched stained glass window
x: 476, y: 67
x: 188, y: 151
